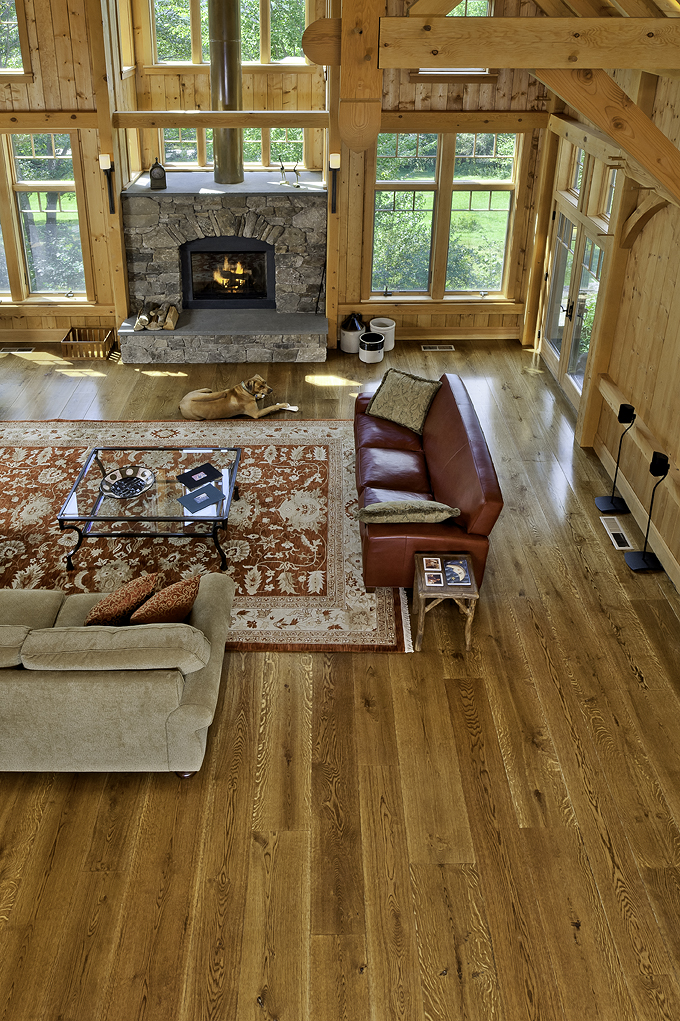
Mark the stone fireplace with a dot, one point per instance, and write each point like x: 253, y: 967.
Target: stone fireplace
x: 243, y: 263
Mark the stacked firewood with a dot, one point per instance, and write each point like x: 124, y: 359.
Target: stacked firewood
x: 158, y: 317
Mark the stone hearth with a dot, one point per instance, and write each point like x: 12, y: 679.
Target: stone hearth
x: 293, y: 220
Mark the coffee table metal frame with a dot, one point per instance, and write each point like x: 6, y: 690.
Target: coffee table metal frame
x: 205, y: 526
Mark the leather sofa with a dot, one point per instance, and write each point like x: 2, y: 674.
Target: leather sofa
x: 449, y: 463
x: 108, y: 699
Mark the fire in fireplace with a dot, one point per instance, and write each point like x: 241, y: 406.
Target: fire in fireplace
x: 228, y: 272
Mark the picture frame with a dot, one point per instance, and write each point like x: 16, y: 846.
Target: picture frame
x: 432, y: 564
x: 434, y: 579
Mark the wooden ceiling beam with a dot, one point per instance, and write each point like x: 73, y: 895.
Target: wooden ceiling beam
x: 219, y: 119
x: 47, y: 120
x: 598, y: 98
x: 637, y: 43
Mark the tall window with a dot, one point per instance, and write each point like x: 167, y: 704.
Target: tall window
x: 45, y: 193
x: 441, y: 212
x: 10, y: 43
x: 269, y: 32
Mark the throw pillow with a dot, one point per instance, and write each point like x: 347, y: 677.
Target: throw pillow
x: 169, y: 606
x: 393, y: 512
x: 116, y: 607
x: 404, y: 399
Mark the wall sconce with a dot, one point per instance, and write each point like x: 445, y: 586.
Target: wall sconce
x: 334, y: 165
x: 616, y: 504
x: 644, y: 560
x: 107, y: 166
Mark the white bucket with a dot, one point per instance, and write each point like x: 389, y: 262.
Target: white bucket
x: 386, y: 327
x: 371, y: 347
x: 349, y: 340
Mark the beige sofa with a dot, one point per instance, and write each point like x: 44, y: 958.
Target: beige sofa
x: 102, y: 699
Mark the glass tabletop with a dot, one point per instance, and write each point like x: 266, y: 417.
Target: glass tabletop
x: 106, y: 494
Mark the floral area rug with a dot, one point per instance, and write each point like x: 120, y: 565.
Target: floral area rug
x: 292, y: 543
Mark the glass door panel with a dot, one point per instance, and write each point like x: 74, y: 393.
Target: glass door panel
x: 559, y: 310
x: 586, y: 301
x: 570, y: 311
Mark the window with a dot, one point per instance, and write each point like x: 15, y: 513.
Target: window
x: 47, y: 213
x: 270, y: 32
x: 465, y: 9
x: 4, y: 276
x: 14, y: 52
x: 442, y: 206
x: 10, y: 56
x: 577, y: 171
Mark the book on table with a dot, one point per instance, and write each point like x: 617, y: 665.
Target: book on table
x: 457, y: 572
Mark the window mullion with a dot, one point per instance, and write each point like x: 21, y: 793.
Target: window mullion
x: 440, y: 233
x: 265, y: 33
x: 195, y: 28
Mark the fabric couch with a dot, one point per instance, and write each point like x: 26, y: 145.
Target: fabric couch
x: 105, y: 699
x: 449, y: 463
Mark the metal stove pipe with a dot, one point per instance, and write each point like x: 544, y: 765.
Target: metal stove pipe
x: 224, y: 20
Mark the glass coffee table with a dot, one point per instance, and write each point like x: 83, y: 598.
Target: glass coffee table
x: 135, y: 492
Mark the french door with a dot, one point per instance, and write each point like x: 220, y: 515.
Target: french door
x: 576, y: 266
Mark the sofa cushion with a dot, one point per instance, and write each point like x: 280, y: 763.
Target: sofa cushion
x: 393, y: 469
x: 169, y: 606
x: 404, y: 398
x: 370, y: 431
x: 11, y: 639
x: 144, y: 647
x: 117, y: 607
x: 35, y: 607
x: 395, y: 511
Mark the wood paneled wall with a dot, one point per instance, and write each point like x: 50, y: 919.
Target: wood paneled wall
x: 642, y: 367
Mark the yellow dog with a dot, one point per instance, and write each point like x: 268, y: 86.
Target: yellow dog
x: 200, y: 405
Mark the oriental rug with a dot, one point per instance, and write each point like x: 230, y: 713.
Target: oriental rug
x: 292, y: 542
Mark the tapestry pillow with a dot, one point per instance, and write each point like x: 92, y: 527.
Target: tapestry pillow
x: 11, y: 639
x: 169, y: 606
x: 393, y: 512
x: 117, y: 607
x: 150, y: 647
x: 404, y: 399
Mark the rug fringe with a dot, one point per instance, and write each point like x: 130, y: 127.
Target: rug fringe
x: 405, y: 621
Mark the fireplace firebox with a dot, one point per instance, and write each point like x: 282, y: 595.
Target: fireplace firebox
x: 228, y: 272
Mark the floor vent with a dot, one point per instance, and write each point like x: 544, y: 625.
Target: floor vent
x: 15, y: 350
x: 437, y: 347
x: 616, y: 533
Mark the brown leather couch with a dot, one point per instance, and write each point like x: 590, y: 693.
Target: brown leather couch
x: 449, y: 463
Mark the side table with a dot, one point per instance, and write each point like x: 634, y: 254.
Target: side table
x: 442, y: 576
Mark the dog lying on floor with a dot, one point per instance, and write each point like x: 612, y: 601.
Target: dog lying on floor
x: 200, y: 405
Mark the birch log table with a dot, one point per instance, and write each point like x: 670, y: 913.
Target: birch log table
x: 444, y: 576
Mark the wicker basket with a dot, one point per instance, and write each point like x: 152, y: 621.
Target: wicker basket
x: 88, y: 342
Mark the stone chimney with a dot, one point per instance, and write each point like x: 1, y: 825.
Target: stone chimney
x: 224, y: 21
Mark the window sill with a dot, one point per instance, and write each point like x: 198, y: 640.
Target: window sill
x: 9, y: 77
x: 444, y: 78
x: 453, y: 304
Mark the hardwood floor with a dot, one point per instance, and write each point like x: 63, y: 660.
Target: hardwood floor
x: 443, y: 836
